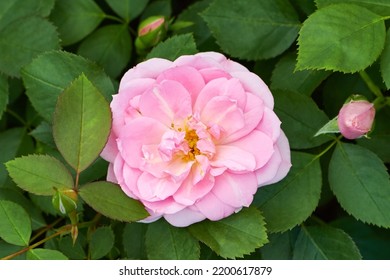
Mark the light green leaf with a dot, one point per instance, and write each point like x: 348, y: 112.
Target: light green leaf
x: 330, y: 127
x: 292, y: 200
x: 133, y: 240
x: 253, y: 29
x: 24, y: 39
x: 101, y: 243
x: 45, y: 254
x: 174, y: 47
x: 234, y: 236
x: 385, y: 61
x: 109, y: 46
x: 39, y: 174
x: 285, y: 77
x: 50, y: 73
x: 15, y: 223
x: 324, y: 243
x: 380, y: 7
x: 11, y: 10
x: 108, y: 199
x: 360, y: 181
x: 76, y: 19
x: 3, y: 94
x: 165, y: 242
x: 128, y: 9
x: 10, y: 142
x: 301, y: 119
x: 81, y: 123
x: 351, y: 41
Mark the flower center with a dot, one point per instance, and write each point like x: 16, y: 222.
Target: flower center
x: 192, y: 139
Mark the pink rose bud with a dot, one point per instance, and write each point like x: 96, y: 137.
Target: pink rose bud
x: 151, y: 31
x: 193, y: 139
x: 355, y: 118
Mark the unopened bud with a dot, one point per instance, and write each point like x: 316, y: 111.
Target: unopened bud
x: 151, y: 31
x: 355, y: 118
x: 65, y: 201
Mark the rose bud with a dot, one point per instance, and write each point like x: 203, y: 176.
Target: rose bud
x: 355, y: 118
x: 151, y: 31
x: 65, y: 201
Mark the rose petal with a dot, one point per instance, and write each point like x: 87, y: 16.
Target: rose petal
x: 169, y: 103
x: 213, y: 73
x: 111, y: 175
x: 234, y: 158
x: 139, y: 132
x: 270, y: 124
x: 187, y: 76
x: 130, y: 179
x: 166, y: 206
x: 110, y: 151
x: 155, y: 189
x: 252, y: 83
x: 236, y: 190
x: 213, y: 208
x: 200, y: 61
x: 148, y: 69
x: 184, y: 218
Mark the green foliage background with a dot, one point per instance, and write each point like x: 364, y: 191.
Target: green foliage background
x: 61, y: 61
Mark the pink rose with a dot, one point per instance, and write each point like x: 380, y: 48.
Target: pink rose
x: 194, y: 138
x: 355, y: 118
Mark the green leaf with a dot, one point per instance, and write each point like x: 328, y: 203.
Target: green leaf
x: 385, y: 61
x: 11, y: 142
x: 128, y: 9
x: 24, y: 39
x: 301, y: 119
x: 50, y: 73
x: 108, y: 199
x: 174, y: 47
x: 76, y: 19
x: 11, y: 10
x: 101, y: 243
x: 81, y: 123
x: 234, y: 236
x: 109, y: 46
x: 39, y: 174
x: 133, y: 240
x: 3, y: 94
x: 330, y: 127
x: 292, y: 200
x: 360, y: 181
x: 280, y: 246
x: 285, y: 77
x: 44, y: 133
x: 72, y: 251
x: 15, y: 224
x: 253, y: 29
x: 156, y: 8
x: 350, y: 42
x: 380, y: 7
x: 165, y: 242
x: 324, y: 243
x: 45, y: 254
x: 7, y: 249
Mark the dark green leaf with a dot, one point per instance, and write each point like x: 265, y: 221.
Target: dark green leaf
x: 165, y: 242
x: 324, y: 243
x: 10, y: 142
x: 24, y: 39
x: 15, y: 223
x: 301, y: 119
x: 385, y: 61
x: 133, y: 240
x: 109, y: 46
x: 174, y: 47
x: 11, y: 10
x: 285, y: 77
x: 234, y: 236
x: 292, y: 200
x: 280, y: 246
x: 101, y: 243
x: 44, y: 133
x: 49, y: 74
x: 253, y: 29
x: 380, y: 7
x: 45, y: 254
x: 39, y: 174
x: 81, y: 123
x: 156, y: 8
x: 360, y: 181
x: 350, y: 42
x: 72, y: 251
x: 76, y: 19
x: 3, y: 94
x: 108, y: 199
x: 44, y: 203
x: 128, y: 9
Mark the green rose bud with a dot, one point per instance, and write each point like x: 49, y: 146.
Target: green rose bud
x: 150, y: 32
x: 65, y: 201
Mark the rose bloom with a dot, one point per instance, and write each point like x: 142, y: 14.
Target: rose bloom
x: 194, y: 138
x: 355, y: 118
